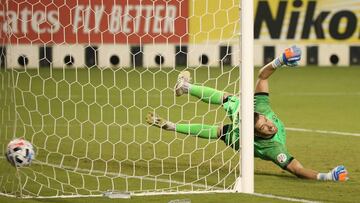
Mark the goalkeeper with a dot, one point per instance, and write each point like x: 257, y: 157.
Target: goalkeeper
x: 270, y: 135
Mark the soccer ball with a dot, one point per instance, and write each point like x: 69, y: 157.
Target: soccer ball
x: 20, y: 152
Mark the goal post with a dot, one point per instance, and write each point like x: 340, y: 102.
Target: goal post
x: 79, y: 77
x: 247, y: 92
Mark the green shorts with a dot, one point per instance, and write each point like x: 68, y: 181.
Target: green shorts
x: 230, y: 136
x: 231, y: 132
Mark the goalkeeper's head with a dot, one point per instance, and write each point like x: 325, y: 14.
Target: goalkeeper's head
x: 263, y: 127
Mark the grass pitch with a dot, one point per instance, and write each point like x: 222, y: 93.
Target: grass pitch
x: 84, y: 119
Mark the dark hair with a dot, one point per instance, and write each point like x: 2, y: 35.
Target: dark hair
x: 256, y: 132
x: 256, y: 117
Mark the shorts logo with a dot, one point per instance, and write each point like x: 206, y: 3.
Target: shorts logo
x: 281, y: 158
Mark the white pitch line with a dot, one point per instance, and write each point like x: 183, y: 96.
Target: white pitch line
x: 321, y: 94
x: 123, y: 175
x: 200, y: 185
x: 291, y: 199
x: 323, y: 131
x: 284, y: 198
x: 160, y: 180
x: 164, y: 193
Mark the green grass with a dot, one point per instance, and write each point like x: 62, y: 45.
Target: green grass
x: 93, y: 120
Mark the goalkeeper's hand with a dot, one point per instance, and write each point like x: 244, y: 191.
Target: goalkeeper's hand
x: 289, y: 57
x: 339, y: 173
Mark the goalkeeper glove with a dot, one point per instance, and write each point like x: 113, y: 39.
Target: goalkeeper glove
x: 339, y: 173
x: 289, y: 57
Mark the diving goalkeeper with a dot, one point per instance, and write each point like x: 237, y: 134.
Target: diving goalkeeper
x: 270, y: 135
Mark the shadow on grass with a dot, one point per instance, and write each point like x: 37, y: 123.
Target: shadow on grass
x: 283, y: 174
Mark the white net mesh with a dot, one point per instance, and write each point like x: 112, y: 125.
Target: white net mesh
x: 79, y: 77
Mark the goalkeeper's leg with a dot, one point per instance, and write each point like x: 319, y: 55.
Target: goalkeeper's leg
x: 199, y: 130
x: 206, y: 94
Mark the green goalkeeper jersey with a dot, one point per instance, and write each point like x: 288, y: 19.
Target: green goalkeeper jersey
x: 272, y: 149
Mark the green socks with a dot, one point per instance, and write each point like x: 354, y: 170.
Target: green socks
x: 206, y: 94
x: 199, y: 130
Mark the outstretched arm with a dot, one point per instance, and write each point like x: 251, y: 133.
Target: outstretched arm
x: 289, y: 57
x: 339, y: 173
x: 262, y: 84
x: 297, y: 169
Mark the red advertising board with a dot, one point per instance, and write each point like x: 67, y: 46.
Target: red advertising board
x: 94, y: 21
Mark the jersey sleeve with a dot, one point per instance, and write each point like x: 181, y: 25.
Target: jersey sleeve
x: 262, y: 103
x: 275, y: 152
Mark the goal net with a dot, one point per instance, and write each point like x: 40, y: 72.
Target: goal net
x: 79, y: 77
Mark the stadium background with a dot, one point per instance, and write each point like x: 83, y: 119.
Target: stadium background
x: 327, y: 31
x: 331, y: 40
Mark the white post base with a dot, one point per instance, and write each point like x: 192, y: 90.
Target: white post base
x: 238, y: 186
